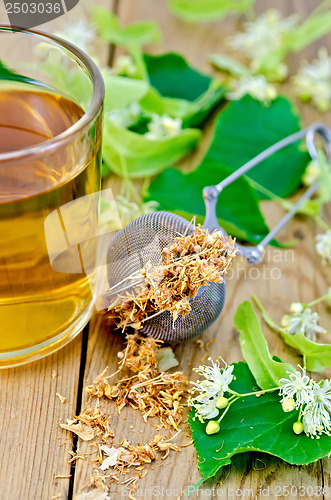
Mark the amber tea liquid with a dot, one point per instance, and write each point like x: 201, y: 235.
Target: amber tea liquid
x: 38, y: 305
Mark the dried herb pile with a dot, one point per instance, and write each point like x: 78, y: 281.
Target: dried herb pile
x: 143, y: 386
x: 192, y: 261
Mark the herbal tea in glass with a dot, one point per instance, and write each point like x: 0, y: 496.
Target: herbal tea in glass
x: 48, y: 158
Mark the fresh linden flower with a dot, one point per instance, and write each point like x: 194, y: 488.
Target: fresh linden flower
x: 212, y: 427
x: 263, y: 37
x: 305, y: 322
x: 297, y: 386
x: 161, y: 127
x: 322, y: 394
x: 312, y: 173
x: 298, y: 427
x: 205, y: 407
x: 288, y: 404
x: 312, y: 399
x: 80, y: 33
x: 256, y: 86
x: 129, y: 210
x: 316, y: 416
x: 125, y: 117
x: 323, y: 246
x: 125, y: 66
x: 296, y: 308
x: 316, y: 422
x: 313, y: 81
x: 216, y: 381
x: 222, y: 402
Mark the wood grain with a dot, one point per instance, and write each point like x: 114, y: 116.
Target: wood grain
x: 34, y: 449
x: 282, y: 277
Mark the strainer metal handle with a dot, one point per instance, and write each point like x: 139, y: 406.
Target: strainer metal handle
x: 253, y: 254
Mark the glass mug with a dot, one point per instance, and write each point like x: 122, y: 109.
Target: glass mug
x: 51, y: 97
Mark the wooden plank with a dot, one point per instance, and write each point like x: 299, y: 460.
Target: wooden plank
x: 34, y: 449
x: 283, y: 276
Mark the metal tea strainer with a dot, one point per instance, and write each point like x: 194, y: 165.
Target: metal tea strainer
x: 143, y: 240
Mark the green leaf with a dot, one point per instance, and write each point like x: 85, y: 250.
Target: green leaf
x: 197, y: 11
x: 316, y: 25
x: 227, y: 63
x: 204, y: 105
x: 153, y: 102
x: 193, y: 113
x: 243, y: 130
x: 325, y: 182
x: 182, y: 91
x: 121, y: 91
x: 246, y: 128
x: 130, y: 154
x: 237, y: 208
x: 254, y: 348
x: 316, y: 356
x: 172, y: 76
x: 254, y: 424
x: 8, y: 74
x: 133, y: 34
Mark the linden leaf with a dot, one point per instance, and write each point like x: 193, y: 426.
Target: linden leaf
x: 121, y: 91
x: 246, y: 128
x: 136, y: 33
x: 180, y: 86
x: 228, y: 64
x: 243, y: 130
x: 8, y: 74
x: 172, y: 76
x: 127, y: 153
x: 254, y: 348
x: 237, y: 208
x: 316, y: 356
x: 197, y: 11
x: 254, y: 424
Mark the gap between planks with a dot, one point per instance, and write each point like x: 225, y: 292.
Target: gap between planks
x: 296, y: 283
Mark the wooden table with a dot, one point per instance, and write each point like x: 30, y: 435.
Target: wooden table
x: 34, y: 450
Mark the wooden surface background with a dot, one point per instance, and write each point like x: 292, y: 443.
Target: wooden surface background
x: 34, y: 450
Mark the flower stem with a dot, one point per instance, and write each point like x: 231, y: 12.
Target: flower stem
x: 224, y: 412
x: 270, y: 322
x: 316, y: 301
x: 272, y: 389
x: 262, y: 391
x: 321, y: 223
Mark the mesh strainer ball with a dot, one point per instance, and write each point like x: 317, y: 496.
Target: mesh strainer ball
x: 142, y: 241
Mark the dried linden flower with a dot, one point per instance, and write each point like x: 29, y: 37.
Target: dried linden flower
x: 200, y: 257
